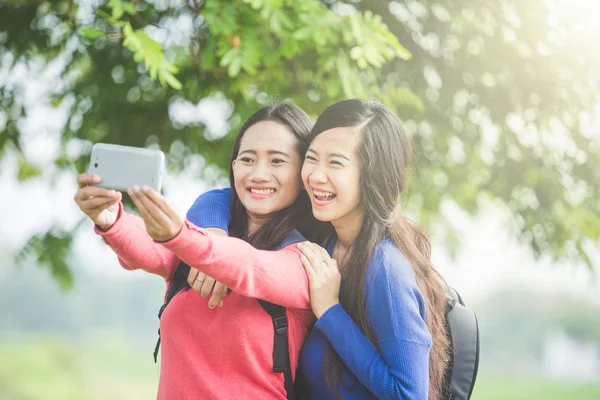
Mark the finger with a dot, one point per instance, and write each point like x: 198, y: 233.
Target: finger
x: 94, y: 191
x: 152, y: 208
x: 97, y: 202
x: 146, y: 216
x: 320, y: 252
x: 218, y: 293
x: 305, y: 248
x: 313, y: 256
x: 159, y: 200
x: 88, y: 192
x: 310, y: 272
x: 207, y: 286
x: 192, y: 276
x: 325, y: 255
x: 87, y: 179
x: 197, y: 286
x: 153, y: 227
x: 108, y: 204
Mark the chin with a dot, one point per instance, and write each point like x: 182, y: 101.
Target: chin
x: 260, y: 210
x: 322, y: 216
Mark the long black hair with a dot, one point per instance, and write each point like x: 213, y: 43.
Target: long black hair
x: 298, y: 215
x: 385, y: 156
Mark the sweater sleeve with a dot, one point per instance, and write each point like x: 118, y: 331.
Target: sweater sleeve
x: 398, y: 368
x: 135, y: 249
x: 212, y: 209
x: 274, y: 276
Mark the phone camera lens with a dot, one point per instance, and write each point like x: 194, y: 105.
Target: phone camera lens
x: 95, y: 165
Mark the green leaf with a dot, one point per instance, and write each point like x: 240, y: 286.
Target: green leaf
x: 229, y: 57
x: 27, y: 171
x: 304, y: 33
x: 403, y: 53
x: 172, y: 81
x: 91, y: 33
x: 356, y: 52
x: 234, y: 67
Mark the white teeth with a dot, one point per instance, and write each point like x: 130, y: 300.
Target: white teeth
x: 323, y: 194
x: 262, y: 191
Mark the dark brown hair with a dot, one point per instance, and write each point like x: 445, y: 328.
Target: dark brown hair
x: 296, y: 216
x: 385, y: 156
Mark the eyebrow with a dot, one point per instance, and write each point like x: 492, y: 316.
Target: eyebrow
x: 340, y: 155
x: 269, y: 152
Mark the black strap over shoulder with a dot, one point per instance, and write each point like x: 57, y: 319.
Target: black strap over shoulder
x: 281, y: 354
x: 281, y: 351
x: 177, y: 284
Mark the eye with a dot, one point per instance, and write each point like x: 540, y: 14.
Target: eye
x: 277, y: 161
x: 246, y: 159
x: 311, y: 158
x: 335, y: 162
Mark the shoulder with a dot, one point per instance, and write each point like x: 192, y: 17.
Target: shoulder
x: 392, y: 277
x: 291, y: 239
x: 216, y: 200
x: 394, y: 300
x: 214, y: 194
x: 388, y: 262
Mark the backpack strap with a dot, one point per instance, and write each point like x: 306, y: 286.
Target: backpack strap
x: 178, y: 283
x: 463, y: 332
x: 281, y: 350
x: 281, y: 353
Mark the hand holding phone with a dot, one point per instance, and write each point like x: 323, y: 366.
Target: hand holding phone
x: 100, y: 204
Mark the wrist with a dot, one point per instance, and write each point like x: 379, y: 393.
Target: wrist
x: 104, y: 227
x: 319, y: 313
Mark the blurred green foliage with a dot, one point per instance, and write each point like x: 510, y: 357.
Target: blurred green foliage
x: 491, y: 92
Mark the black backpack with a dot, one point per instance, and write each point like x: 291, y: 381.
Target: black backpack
x: 281, y: 356
x: 463, y: 332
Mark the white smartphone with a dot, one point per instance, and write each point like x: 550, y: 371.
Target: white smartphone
x: 122, y: 167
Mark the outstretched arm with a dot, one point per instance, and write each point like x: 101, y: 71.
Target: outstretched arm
x: 275, y: 276
x: 128, y: 238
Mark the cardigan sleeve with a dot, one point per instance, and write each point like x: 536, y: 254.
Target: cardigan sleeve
x: 135, y: 248
x: 275, y: 276
x: 212, y: 209
x: 398, y: 367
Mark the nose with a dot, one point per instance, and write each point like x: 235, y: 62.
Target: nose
x: 317, y: 175
x: 261, y: 173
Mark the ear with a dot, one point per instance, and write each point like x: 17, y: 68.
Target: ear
x: 233, y: 163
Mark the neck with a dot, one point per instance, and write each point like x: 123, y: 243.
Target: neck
x: 255, y: 222
x: 347, y: 228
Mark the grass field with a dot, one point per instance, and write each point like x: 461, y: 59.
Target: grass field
x: 532, y: 388
x: 50, y: 368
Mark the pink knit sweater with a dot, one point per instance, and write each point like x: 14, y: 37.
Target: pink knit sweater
x: 223, y: 353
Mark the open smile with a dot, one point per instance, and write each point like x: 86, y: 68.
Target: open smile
x: 321, y: 197
x: 260, y: 193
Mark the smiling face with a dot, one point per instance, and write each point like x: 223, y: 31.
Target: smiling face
x: 266, y: 170
x: 331, y: 175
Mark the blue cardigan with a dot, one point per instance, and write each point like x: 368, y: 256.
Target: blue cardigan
x: 397, y: 367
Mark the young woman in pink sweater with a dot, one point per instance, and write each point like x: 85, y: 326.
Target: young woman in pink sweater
x: 224, y: 353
